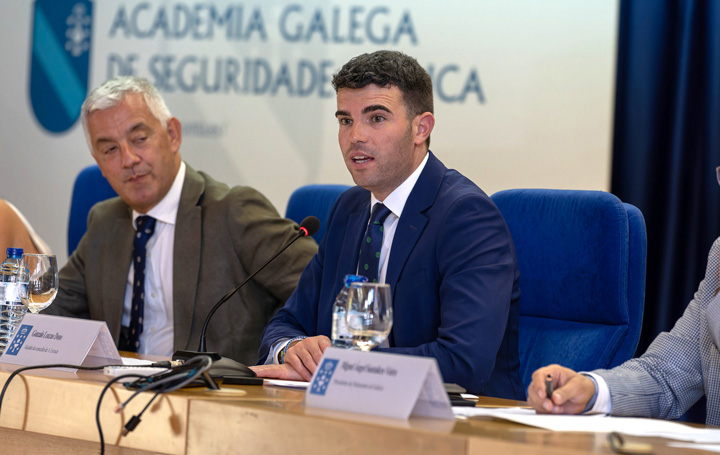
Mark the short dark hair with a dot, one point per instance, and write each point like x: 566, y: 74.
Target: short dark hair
x: 393, y: 68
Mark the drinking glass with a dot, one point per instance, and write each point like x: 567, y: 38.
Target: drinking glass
x: 369, y: 316
x: 42, y: 285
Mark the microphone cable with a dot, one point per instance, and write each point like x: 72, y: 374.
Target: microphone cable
x: 97, y: 407
x: 161, y: 364
x: 174, y: 378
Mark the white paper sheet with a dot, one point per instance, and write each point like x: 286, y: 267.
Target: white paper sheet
x: 132, y: 361
x: 706, y: 447
x: 596, y: 423
x: 283, y: 383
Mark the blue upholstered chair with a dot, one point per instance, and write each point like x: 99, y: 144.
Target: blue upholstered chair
x: 316, y: 200
x: 90, y: 187
x: 582, y: 259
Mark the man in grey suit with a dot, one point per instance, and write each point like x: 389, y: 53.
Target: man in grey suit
x: 205, y: 238
x: 678, y: 368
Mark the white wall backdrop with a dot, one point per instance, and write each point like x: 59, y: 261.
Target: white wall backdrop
x: 524, y: 89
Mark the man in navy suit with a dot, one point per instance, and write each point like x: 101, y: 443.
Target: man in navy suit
x: 446, y: 251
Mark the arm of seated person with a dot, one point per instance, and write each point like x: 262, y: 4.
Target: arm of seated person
x: 300, y: 360
x: 13, y: 233
x: 571, y: 391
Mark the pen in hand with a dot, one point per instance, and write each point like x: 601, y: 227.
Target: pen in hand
x: 549, y: 386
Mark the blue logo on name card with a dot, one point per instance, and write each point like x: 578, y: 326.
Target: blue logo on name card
x: 322, y: 380
x: 19, y: 339
x: 62, y: 31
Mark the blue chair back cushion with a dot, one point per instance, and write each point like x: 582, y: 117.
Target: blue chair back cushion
x: 582, y: 297
x: 316, y: 200
x: 90, y: 188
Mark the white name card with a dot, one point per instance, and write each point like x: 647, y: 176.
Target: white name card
x: 42, y: 340
x: 389, y: 385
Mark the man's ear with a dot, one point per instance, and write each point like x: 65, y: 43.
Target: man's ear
x: 174, y: 129
x: 425, y: 123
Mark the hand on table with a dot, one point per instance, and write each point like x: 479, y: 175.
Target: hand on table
x: 301, y: 360
x: 305, y: 355
x: 284, y: 371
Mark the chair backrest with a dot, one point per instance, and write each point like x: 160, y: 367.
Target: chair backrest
x: 90, y: 187
x: 581, y: 256
x: 316, y: 200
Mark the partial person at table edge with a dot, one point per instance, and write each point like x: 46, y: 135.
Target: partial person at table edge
x: 17, y: 232
x: 678, y: 368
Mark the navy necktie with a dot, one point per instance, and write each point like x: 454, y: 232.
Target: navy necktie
x: 369, y: 262
x: 145, y: 229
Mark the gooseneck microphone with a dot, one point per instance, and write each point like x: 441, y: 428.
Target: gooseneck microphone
x: 309, y: 226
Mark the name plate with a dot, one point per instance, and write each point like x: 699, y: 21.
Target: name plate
x: 43, y: 340
x: 389, y: 385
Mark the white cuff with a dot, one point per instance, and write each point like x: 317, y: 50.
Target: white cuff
x: 603, y: 404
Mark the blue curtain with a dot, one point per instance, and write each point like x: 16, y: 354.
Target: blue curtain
x: 667, y: 145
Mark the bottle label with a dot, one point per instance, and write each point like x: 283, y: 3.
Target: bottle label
x: 13, y: 291
x: 341, y: 336
x: 341, y: 326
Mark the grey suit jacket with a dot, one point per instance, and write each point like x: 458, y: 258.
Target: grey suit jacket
x: 222, y: 235
x: 679, y: 366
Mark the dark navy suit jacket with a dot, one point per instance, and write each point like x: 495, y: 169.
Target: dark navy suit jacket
x: 453, y: 274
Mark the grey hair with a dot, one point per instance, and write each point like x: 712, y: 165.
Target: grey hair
x: 112, y: 92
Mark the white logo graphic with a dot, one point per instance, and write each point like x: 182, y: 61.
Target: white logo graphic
x: 78, y: 32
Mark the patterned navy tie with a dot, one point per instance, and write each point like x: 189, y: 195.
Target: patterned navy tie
x: 145, y: 229
x: 369, y: 262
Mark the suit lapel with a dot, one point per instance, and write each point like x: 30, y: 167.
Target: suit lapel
x: 407, y: 233
x: 115, y: 276
x: 413, y: 219
x: 186, y: 257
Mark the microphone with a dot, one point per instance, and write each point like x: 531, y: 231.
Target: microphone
x: 310, y: 225
x: 226, y: 366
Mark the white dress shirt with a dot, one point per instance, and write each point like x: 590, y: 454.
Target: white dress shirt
x: 158, y: 333
x: 396, y: 203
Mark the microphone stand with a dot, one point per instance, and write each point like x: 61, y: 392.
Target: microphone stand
x: 222, y: 365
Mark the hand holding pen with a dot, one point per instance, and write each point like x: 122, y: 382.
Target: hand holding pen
x: 548, y: 386
x: 558, y: 390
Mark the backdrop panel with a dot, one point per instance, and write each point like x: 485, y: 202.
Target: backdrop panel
x: 524, y: 89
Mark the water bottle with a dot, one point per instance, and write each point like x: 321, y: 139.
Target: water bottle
x: 14, y: 278
x: 341, y: 336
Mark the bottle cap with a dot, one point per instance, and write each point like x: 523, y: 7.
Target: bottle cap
x: 349, y: 279
x: 14, y: 253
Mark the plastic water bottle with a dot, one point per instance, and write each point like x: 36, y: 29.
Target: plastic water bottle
x: 341, y: 336
x: 14, y: 277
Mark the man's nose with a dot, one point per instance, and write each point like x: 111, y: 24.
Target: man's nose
x: 358, y: 133
x: 129, y: 155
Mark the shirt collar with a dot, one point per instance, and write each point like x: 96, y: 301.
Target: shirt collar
x: 397, y: 199
x: 166, y: 209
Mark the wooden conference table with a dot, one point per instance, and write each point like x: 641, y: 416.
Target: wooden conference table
x: 54, y: 412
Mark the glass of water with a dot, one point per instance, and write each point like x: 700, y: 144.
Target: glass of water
x: 42, y: 285
x: 369, y: 315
